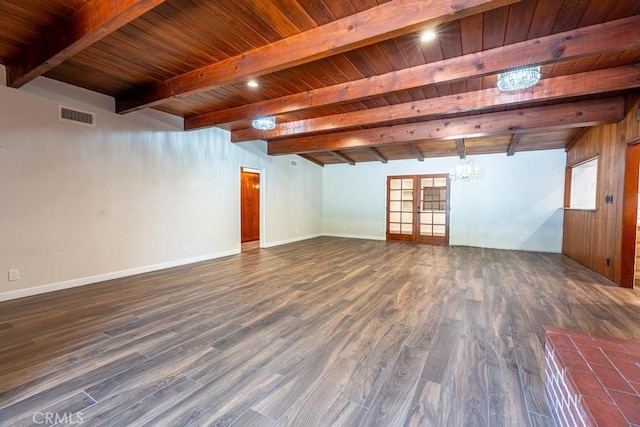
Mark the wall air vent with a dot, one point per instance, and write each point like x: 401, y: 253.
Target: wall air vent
x: 71, y: 115
x: 293, y: 163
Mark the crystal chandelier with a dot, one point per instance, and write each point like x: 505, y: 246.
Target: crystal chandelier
x: 518, y: 78
x: 466, y: 170
x: 264, y: 123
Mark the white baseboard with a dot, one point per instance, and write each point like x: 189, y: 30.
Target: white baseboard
x: 36, y: 290
x: 354, y: 236
x: 295, y: 239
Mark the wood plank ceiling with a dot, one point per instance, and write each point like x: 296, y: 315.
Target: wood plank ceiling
x: 347, y: 80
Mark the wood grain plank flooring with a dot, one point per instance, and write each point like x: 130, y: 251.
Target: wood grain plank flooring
x: 323, y: 332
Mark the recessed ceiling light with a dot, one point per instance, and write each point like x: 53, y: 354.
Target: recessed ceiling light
x: 252, y: 83
x: 427, y: 36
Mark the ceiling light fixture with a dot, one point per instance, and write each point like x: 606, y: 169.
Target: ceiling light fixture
x: 427, y: 36
x: 518, y: 78
x: 466, y: 170
x: 264, y: 123
x: 252, y: 83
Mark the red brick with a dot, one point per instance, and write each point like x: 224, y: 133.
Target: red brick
x: 567, y: 392
x: 586, y: 384
x: 584, y: 413
x: 576, y: 415
x: 604, y: 414
x: 555, y: 362
x: 619, y: 355
x: 632, y: 347
x: 571, y: 359
x: 629, y: 370
x: 553, y: 329
x: 613, y: 340
x: 611, y: 379
x: 566, y: 416
x: 605, y: 345
x: 560, y: 341
x: 593, y: 355
x: 580, y: 384
x: 556, y: 395
x: 629, y: 405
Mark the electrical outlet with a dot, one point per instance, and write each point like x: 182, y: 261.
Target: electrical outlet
x: 186, y: 249
x: 14, y: 275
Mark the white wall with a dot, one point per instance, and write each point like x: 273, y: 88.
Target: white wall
x: 80, y: 205
x: 135, y: 193
x: 516, y: 204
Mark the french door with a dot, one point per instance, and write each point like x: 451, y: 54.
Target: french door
x: 418, y: 208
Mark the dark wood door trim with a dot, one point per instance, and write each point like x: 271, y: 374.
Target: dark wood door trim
x: 249, y: 206
x: 630, y: 215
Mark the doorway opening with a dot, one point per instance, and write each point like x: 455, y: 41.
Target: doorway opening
x: 249, y: 208
x: 418, y: 208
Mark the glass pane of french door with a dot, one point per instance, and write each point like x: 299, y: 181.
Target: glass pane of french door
x: 400, y: 215
x: 434, y: 209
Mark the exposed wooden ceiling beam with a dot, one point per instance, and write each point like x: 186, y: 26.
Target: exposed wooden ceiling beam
x: 378, y: 155
x: 513, y: 144
x: 576, y: 114
x: 588, y: 83
x: 576, y: 138
x: 343, y: 158
x: 379, y: 23
x: 92, y: 22
x: 416, y: 152
x: 312, y: 160
x: 620, y: 34
x: 462, y: 152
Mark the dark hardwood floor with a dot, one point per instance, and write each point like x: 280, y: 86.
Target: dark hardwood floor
x: 324, y: 332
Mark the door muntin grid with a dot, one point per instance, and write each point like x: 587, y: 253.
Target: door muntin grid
x: 433, y: 207
x: 401, y: 206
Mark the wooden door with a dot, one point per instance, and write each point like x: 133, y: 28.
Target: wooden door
x: 249, y: 206
x: 418, y: 208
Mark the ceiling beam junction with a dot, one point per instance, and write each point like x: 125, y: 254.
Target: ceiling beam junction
x: 576, y: 138
x: 378, y: 155
x: 513, y: 144
x: 343, y: 157
x: 414, y: 150
x: 312, y: 160
x: 460, y: 147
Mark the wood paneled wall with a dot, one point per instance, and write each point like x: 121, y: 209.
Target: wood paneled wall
x: 592, y: 237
